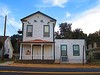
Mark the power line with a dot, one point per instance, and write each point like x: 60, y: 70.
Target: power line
x: 13, y: 28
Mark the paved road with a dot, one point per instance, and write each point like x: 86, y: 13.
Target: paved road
x: 43, y: 74
x: 8, y: 70
x: 50, y: 69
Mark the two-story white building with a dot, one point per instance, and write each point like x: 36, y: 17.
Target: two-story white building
x: 40, y: 45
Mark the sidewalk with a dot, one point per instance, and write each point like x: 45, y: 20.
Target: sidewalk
x: 55, y: 65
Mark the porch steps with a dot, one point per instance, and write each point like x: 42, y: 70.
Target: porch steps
x: 35, y: 61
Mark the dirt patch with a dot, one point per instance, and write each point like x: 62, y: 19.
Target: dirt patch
x: 55, y: 65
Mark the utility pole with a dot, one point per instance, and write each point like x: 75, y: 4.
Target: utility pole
x: 4, y: 37
x: 83, y: 55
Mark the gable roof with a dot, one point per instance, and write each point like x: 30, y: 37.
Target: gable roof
x: 37, y: 13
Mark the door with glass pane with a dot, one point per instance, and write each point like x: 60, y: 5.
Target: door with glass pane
x: 64, y: 53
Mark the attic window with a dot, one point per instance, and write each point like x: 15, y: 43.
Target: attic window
x: 42, y: 21
x: 35, y: 21
x: 28, y: 22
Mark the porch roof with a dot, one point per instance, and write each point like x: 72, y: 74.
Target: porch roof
x: 37, y: 41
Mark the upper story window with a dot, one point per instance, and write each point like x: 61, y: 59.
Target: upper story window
x: 46, y: 31
x: 76, y: 50
x: 29, y: 30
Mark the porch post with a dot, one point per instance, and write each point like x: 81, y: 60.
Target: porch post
x: 41, y: 50
x: 20, y: 51
x: 52, y: 51
x: 31, y: 51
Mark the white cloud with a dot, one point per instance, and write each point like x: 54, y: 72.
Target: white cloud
x: 59, y: 3
x: 12, y: 24
x: 68, y: 15
x: 4, y: 11
x: 88, y: 21
x: 56, y: 28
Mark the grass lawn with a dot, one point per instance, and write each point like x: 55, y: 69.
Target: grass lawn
x: 96, y: 62
x: 6, y: 60
x: 2, y: 61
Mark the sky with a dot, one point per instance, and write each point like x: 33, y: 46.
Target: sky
x: 84, y: 14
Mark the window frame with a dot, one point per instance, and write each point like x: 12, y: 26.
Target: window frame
x: 78, y: 54
x: 62, y: 50
x: 44, y: 35
x: 28, y: 32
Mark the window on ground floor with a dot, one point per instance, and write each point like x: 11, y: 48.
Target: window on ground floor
x: 76, y: 50
x: 63, y: 50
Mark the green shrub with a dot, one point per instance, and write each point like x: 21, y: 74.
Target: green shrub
x: 90, y: 58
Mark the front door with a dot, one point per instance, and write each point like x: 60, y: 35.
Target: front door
x: 37, y: 52
x: 64, y: 58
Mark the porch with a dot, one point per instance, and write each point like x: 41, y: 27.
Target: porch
x: 37, y: 52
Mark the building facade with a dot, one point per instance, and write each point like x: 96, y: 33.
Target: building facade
x: 39, y: 42
x: 70, y: 51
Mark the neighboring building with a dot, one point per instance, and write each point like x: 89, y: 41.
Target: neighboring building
x: 40, y: 45
x: 94, y: 48
x: 2, y: 43
x: 94, y: 45
x: 8, y: 49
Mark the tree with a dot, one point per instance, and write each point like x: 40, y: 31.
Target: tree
x: 98, y: 33
x: 94, y: 37
x: 1, y: 44
x: 15, y: 42
x: 78, y: 34
x: 15, y: 39
x: 65, y: 30
x: 67, y: 33
x: 57, y: 35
